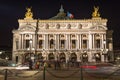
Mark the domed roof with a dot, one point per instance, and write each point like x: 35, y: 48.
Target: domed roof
x: 61, y: 15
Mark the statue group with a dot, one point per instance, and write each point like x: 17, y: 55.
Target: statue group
x: 96, y: 13
x: 28, y: 14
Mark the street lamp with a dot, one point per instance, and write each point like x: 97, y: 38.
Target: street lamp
x: 81, y: 65
x: 104, y: 52
x: 0, y: 53
x: 6, y: 58
x: 118, y: 60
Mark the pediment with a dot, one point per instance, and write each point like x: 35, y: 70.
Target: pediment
x: 27, y: 28
x: 99, y: 27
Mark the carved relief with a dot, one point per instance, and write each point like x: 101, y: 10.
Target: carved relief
x: 58, y: 26
x: 97, y: 36
x: 84, y: 36
x: 68, y: 26
x: 47, y: 26
x: 27, y: 28
x: 80, y: 26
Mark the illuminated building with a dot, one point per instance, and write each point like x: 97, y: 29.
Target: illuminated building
x: 63, y: 38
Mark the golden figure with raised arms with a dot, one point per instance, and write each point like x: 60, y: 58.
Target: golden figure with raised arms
x: 96, y: 13
x: 28, y: 14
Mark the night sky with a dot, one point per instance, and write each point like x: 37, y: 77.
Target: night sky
x: 12, y: 10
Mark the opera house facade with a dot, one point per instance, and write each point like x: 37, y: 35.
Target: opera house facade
x: 63, y: 38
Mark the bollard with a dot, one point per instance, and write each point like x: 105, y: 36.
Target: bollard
x: 81, y: 73
x: 45, y: 64
x: 5, y: 78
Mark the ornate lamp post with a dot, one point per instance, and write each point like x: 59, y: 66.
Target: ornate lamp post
x: 104, y: 53
x: 30, y: 49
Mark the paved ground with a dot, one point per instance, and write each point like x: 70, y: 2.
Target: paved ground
x: 99, y: 73
x: 60, y: 74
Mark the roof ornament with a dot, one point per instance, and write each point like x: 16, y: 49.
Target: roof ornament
x: 28, y: 14
x: 96, y: 13
x: 61, y: 9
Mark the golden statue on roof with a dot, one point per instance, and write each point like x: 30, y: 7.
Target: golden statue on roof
x: 28, y: 14
x: 96, y: 13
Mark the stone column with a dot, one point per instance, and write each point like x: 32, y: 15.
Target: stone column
x: 58, y: 41
x: 67, y: 41
x: 20, y: 41
x: 14, y: 48
x: 56, y: 56
x: 78, y: 56
x: 105, y: 41
x: 24, y: 41
x: 46, y: 41
x: 67, y: 57
x: 90, y: 41
x: 102, y: 57
x: 102, y: 42
x: 80, y: 41
x: 89, y: 56
x: 55, y: 44
x: 93, y: 41
x: 44, y: 45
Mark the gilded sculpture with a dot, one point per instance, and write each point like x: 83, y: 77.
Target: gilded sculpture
x: 96, y: 13
x: 28, y: 14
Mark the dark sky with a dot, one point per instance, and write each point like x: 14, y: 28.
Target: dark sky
x: 12, y: 10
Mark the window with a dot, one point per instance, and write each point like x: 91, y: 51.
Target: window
x: 17, y: 44
x: 73, y: 44
x: 84, y: 46
x: 98, y: 43
x: 62, y: 43
x: 40, y: 43
x: 51, y: 44
x: 27, y: 43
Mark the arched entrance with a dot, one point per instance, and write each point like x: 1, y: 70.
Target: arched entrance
x: 84, y: 57
x: 28, y: 56
x: 97, y: 57
x: 73, y: 57
x: 62, y: 57
x: 39, y: 57
x: 51, y: 57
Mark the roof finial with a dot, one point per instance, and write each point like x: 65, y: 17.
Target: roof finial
x: 61, y: 9
x: 28, y: 14
x: 96, y: 13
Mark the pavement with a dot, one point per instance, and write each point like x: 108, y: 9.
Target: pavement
x: 71, y: 73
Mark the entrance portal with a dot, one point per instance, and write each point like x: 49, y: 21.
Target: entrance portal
x: 62, y: 57
x: 73, y: 57
x: 51, y: 57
